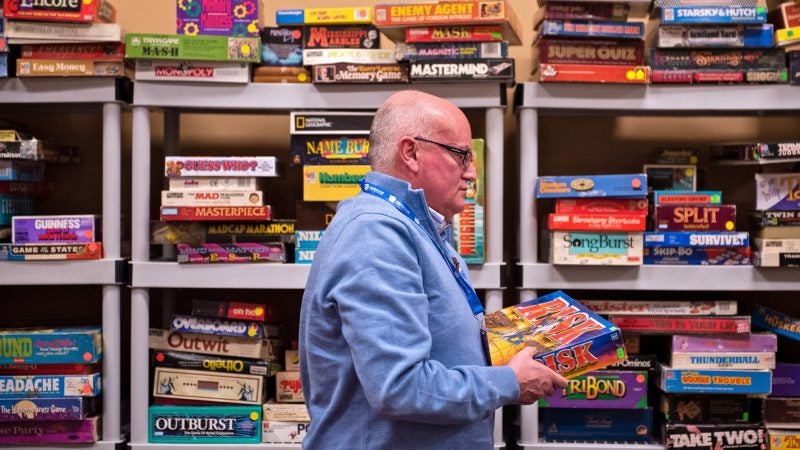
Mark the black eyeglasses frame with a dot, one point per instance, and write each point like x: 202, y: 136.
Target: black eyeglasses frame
x: 466, y: 155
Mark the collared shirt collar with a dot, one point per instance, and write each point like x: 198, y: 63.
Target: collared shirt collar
x: 442, y: 226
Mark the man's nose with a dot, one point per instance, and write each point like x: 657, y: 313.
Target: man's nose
x: 470, y: 172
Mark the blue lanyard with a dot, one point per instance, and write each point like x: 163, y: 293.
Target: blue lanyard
x: 472, y: 297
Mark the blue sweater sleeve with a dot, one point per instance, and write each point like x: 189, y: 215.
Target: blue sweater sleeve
x: 378, y: 286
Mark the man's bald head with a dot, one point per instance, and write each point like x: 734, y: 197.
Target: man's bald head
x: 406, y: 113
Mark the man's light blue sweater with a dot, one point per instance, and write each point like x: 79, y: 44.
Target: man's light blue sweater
x: 390, y: 352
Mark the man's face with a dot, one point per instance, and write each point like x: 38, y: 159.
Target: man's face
x: 443, y: 176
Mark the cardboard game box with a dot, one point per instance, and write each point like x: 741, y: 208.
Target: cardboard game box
x: 569, y: 338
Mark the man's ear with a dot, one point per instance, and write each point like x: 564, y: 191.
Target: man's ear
x: 408, y: 152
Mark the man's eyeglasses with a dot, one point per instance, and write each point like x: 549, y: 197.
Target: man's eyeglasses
x: 466, y: 155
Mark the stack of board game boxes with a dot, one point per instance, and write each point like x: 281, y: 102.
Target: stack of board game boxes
x: 24, y: 162
x: 340, y: 45
x: 214, y: 370
x: 215, y: 41
x: 603, y: 405
x: 334, y: 39
x: 714, y: 41
x: 598, y: 219
x: 775, y: 219
x: 332, y: 149
x: 782, y: 406
x: 689, y: 227
x: 65, y: 39
x: 575, y: 342
x: 50, y: 386
x: 710, y: 372
x: 590, y: 42
x: 786, y: 19
x: 214, y: 211
x: 3, y: 47
x: 452, y: 40
x: 286, y: 419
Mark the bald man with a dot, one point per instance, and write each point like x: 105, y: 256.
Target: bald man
x: 392, y: 353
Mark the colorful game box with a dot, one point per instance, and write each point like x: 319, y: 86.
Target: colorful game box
x: 230, y: 310
x: 222, y: 327
x: 55, y: 434
x: 700, y: 409
x: 695, y: 217
x: 341, y: 36
x: 754, y: 342
x: 597, y: 222
x: 201, y: 48
x: 569, y: 338
x: 285, y: 412
x: 196, y: 361
x: 778, y: 191
x: 47, y: 409
x: 662, y: 308
x: 218, y: 18
x: 598, y: 424
x: 332, y: 183
x: 633, y: 185
x: 786, y: 380
x: 596, y: 248
x: 220, y: 166
x: 393, y: 19
x: 784, y: 439
x: 782, y: 412
x: 456, y: 33
x: 205, y: 424
x: 776, y: 322
x: 604, y: 205
x: 647, y: 324
x: 716, y: 36
x: 50, y: 386
x: 324, y: 16
x: 83, y: 11
x: 209, y: 386
x: 713, y: 14
x: 723, y: 360
x: 698, y: 256
x: 602, y: 389
x: 315, y: 149
x: 276, y: 432
x: 716, y: 436
x: 715, y: 381
x: 51, y: 346
x: 42, y: 229
x: 469, y: 226
x: 687, y: 197
x: 282, y: 46
x: 696, y: 239
x: 330, y: 122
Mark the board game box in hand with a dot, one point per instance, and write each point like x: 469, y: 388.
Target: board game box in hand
x: 569, y: 338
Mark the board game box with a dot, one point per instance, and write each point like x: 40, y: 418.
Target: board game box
x: 602, y: 389
x: 569, y: 338
x: 205, y: 424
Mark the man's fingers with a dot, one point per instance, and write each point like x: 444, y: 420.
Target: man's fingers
x: 559, y: 382
x: 528, y: 351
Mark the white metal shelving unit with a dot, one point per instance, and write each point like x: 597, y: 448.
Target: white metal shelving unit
x: 85, y: 94
x: 535, y: 99
x: 175, y: 98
